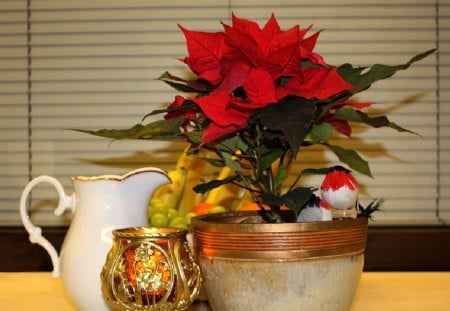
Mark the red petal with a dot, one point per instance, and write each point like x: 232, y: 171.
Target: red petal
x: 216, y: 106
x: 236, y: 75
x: 303, y: 32
x: 286, y: 62
x: 271, y: 28
x: 241, y: 46
x: 178, y: 101
x: 355, y: 105
x: 247, y: 26
x: 317, y: 59
x: 260, y: 88
x: 307, y: 47
x: 189, y: 114
x: 341, y: 126
x: 284, y: 39
x: 308, y: 44
x: 205, y: 52
x: 317, y: 83
x: 213, y: 132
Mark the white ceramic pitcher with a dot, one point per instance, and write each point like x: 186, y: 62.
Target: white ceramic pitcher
x: 100, y: 204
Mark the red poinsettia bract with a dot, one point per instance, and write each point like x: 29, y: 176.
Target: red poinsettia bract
x: 247, y: 68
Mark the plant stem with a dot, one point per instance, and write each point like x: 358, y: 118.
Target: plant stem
x: 250, y: 190
x: 257, y: 153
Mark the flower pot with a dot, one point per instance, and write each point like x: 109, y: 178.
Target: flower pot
x: 250, y: 265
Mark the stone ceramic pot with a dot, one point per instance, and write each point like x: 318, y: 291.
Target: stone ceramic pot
x: 248, y: 265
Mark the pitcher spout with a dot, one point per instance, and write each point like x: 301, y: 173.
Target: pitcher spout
x: 144, y: 181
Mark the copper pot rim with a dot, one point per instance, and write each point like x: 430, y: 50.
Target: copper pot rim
x: 340, y: 237
x: 226, y: 222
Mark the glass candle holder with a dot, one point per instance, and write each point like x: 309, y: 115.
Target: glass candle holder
x: 150, y: 269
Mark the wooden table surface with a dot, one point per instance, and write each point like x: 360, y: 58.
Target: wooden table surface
x: 396, y: 291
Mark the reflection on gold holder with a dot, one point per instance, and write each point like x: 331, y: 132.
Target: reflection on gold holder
x: 150, y: 269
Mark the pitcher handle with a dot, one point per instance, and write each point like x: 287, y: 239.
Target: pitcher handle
x: 35, y: 233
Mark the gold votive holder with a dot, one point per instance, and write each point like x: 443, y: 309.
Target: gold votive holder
x: 150, y: 269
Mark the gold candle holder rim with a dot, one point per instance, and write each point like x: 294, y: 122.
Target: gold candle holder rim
x: 148, y: 232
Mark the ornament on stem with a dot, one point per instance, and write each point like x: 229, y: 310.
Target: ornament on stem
x: 315, y: 210
x: 340, y: 190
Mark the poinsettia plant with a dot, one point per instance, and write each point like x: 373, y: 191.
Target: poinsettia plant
x: 260, y: 96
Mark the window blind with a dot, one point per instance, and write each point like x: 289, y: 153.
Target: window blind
x: 93, y: 64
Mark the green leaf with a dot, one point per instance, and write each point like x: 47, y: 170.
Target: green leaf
x: 271, y: 135
x: 228, y: 159
x: 231, y: 144
x: 269, y: 157
x: 363, y: 77
x: 320, y: 133
x: 158, y: 130
x: 186, y: 86
x: 293, y: 117
x: 187, y: 104
x: 280, y: 176
x: 352, y: 159
x: 168, y: 76
x: 215, y: 162
x: 194, y: 136
x: 272, y: 199
x: 294, y: 199
x: 180, y: 87
x: 350, y: 114
x: 324, y: 107
x: 207, y: 186
x: 297, y: 198
x: 315, y: 171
